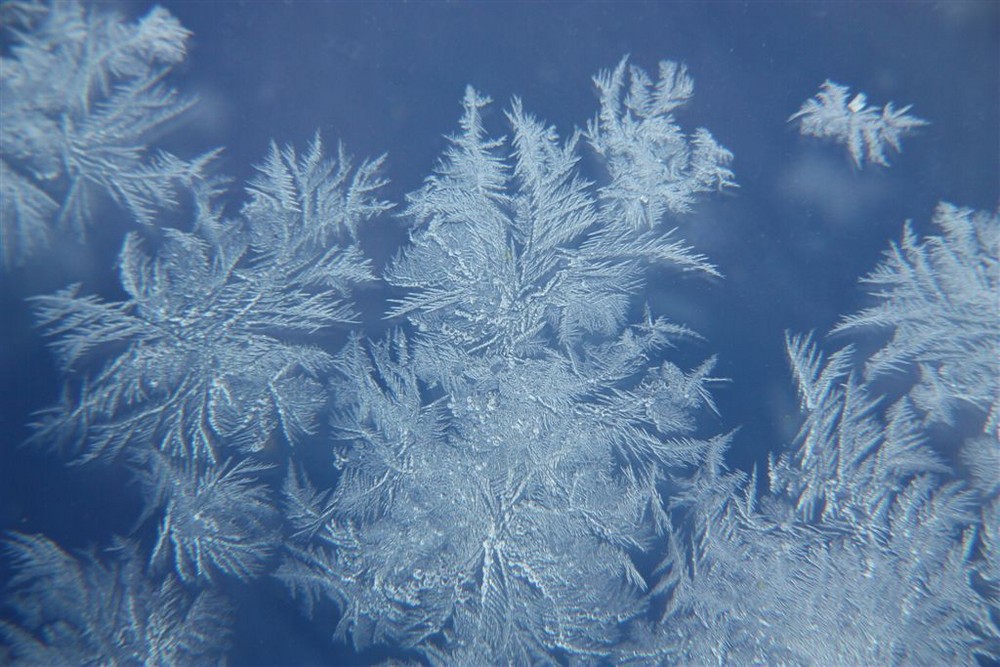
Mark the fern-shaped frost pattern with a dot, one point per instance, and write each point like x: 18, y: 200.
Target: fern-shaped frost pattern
x: 494, y: 260
x: 865, y: 130
x: 215, y: 519
x: 476, y: 531
x: 654, y: 166
x: 508, y: 453
x: 505, y: 454
x: 938, y: 298
x: 105, y: 609
x: 83, y: 95
x: 203, y: 343
x: 861, y: 553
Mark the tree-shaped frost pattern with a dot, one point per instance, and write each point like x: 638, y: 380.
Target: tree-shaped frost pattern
x: 499, y: 471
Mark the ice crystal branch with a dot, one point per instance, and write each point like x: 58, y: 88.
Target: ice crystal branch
x: 84, y: 95
x: 937, y: 297
x: 865, y: 130
x: 209, y: 347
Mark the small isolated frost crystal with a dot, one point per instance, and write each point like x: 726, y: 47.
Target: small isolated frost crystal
x: 834, y: 114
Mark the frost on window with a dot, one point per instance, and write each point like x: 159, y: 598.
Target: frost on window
x: 936, y: 299
x: 518, y: 447
x: 216, y: 519
x: 874, y: 542
x: 210, y: 349
x: 84, y: 93
x: 502, y: 465
x: 655, y: 167
x: 865, y: 130
x: 105, y: 608
x: 866, y: 547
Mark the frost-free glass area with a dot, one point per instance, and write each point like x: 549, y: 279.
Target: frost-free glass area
x: 342, y: 333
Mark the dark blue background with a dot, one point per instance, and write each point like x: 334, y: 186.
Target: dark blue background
x: 792, y: 241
